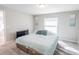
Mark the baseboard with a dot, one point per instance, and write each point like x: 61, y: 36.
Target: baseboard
x: 70, y: 41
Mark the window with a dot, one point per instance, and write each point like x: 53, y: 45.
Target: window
x: 50, y: 24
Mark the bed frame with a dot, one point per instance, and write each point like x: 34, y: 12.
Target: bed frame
x: 28, y: 50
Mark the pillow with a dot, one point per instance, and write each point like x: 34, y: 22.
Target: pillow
x: 42, y: 32
x: 22, y: 33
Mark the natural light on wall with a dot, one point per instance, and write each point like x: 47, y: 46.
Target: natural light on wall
x: 50, y: 24
x: 1, y: 21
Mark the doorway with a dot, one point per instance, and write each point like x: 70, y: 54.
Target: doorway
x: 1, y: 28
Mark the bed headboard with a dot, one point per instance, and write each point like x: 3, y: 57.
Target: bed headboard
x: 22, y: 33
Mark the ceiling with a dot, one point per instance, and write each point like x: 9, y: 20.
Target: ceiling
x: 50, y: 8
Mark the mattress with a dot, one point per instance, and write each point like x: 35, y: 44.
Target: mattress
x: 44, y: 44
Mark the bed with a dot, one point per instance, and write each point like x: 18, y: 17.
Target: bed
x: 37, y: 44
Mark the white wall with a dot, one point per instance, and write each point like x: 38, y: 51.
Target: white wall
x: 65, y: 32
x: 16, y: 21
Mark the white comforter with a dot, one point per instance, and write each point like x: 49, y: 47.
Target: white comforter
x: 43, y: 44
